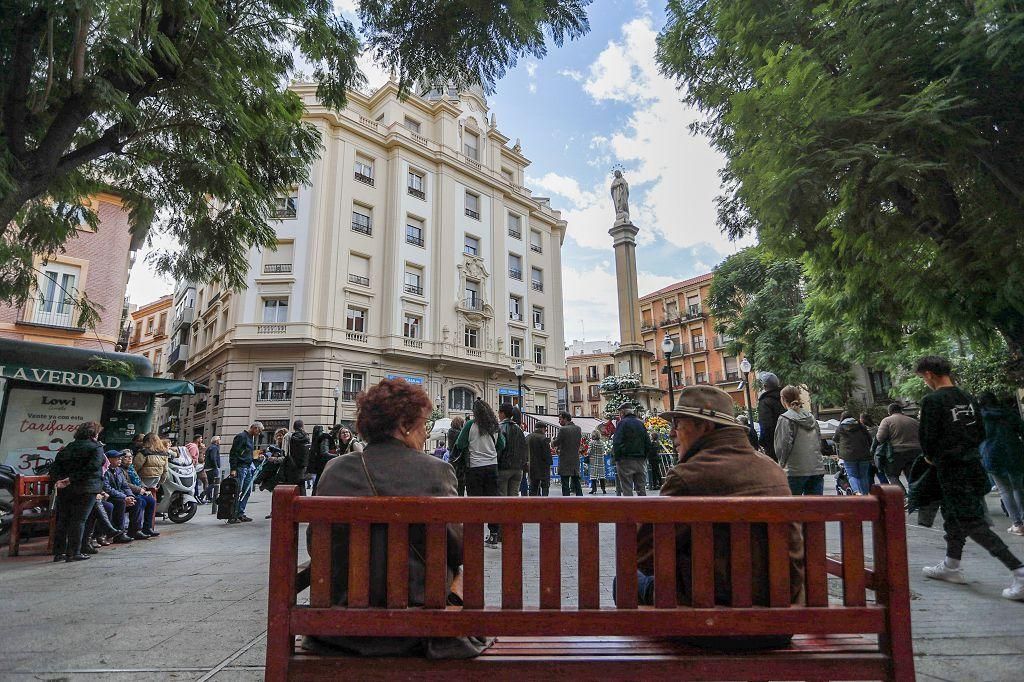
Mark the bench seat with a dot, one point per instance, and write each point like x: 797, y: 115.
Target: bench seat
x: 848, y: 657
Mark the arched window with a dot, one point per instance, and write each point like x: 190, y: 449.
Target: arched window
x: 460, y: 398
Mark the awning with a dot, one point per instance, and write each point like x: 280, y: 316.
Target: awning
x: 107, y: 382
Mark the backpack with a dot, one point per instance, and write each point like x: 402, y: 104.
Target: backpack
x: 227, y: 500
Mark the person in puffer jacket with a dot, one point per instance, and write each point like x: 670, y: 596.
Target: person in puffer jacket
x: 853, y: 441
x: 798, y: 445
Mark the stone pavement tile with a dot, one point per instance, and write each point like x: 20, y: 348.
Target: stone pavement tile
x: 105, y: 676
x: 51, y: 642
x: 233, y: 674
x: 969, y: 646
x: 993, y: 668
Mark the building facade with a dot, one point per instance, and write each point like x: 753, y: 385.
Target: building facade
x: 95, y: 263
x: 679, y: 311
x: 150, y: 332
x: 587, y: 363
x: 415, y: 252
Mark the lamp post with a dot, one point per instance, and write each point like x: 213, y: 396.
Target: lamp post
x: 745, y: 368
x: 667, y: 347
x: 518, y: 370
x: 337, y: 395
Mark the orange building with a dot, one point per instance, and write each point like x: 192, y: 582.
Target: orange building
x: 680, y: 311
x: 150, y: 332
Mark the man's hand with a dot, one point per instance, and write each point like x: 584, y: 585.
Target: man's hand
x: 63, y: 483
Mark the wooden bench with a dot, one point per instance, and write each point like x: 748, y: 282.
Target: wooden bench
x: 30, y: 492
x: 848, y: 637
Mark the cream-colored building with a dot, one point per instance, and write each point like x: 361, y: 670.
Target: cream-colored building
x: 587, y: 363
x: 415, y: 251
x: 150, y: 332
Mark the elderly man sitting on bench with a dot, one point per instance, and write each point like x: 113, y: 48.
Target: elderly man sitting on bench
x: 716, y: 460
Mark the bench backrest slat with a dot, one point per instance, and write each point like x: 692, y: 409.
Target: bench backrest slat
x: 702, y: 565
x: 665, y: 565
x: 398, y: 566
x: 853, y: 563
x: 740, y: 569
x: 512, y: 566
x: 550, y: 566
x: 436, y: 587
x: 321, y: 561
x: 778, y: 565
x: 589, y: 547
x: 815, y: 573
x: 625, y: 566
x: 359, y: 565
x: 473, y: 565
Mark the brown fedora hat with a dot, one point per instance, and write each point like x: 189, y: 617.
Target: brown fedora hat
x: 703, y: 402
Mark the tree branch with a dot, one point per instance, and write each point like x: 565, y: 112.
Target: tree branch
x: 22, y: 60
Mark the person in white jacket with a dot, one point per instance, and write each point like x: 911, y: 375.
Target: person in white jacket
x: 798, y: 445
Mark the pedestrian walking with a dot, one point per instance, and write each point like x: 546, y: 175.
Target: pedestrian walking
x: 567, y: 442
x: 457, y: 458
x: 631, y: 446
x: 296, y: 457
x: 240, y: 466
x: 769, y: 409
x: 798, y: 445
x: 951, y: 431
x: 596, y: 461
x: 77, y: 470
x: 1002, y: 453
x: 481, y: 439
x: 901, y: 433
x: 513, y: 457
x: 853, y: 442
x: 539, y: 446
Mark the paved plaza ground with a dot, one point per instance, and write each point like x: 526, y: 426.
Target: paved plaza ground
x: 191, y: 605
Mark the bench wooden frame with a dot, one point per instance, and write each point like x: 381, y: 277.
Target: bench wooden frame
x: 625, y: 641
x: 29, y: 492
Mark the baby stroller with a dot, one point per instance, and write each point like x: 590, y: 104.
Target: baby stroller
x: 843, y: 486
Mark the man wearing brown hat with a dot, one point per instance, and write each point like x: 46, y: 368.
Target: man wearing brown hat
x: 716, y: 460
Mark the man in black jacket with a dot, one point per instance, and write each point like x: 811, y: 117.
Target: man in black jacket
x: 769, y: 409
x: 512, y: 460
x: 296, y: 456
x: 539, y: 446
x: 78, y: 472
x: 631, y: 448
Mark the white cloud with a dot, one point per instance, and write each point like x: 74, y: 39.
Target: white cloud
x: 531, y: 75
x: 590, y: 300
x: 572, y: 74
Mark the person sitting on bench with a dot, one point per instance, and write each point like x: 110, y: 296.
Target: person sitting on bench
x: 393, y: 416
x: 716, y: 459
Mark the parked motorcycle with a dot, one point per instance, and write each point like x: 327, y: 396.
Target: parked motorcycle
x: 177, y: 500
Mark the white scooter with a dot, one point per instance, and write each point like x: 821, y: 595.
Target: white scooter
x: 177, y: 499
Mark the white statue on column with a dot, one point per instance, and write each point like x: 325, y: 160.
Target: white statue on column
x: 620, y: 198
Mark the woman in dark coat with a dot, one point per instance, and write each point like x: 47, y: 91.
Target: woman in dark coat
x: 78, y: 472
x: 393, y: 417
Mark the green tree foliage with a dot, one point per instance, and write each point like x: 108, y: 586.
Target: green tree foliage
x: 759, y: 300
x: 878, y: 141
x: 181, y: 108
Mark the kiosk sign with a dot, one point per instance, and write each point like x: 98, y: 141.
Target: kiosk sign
x: 39, y: 422
x: 41, y: 375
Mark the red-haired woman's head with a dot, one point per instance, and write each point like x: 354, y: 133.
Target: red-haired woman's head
x: 394, y: 408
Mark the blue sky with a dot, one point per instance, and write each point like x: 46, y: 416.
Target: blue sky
x: 586, y: 106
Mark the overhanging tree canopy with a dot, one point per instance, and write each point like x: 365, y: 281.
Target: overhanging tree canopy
x: 180, y: 107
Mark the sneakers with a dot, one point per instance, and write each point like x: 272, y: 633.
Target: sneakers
x: 234, y: 521
x: 1016, y: 529
x: 941, y: 571
x: 244, y: 519
x: 1016, y: 589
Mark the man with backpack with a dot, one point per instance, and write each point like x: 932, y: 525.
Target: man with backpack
x: 512, y: 459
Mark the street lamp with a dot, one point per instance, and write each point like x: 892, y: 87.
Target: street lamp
x: 518, y: 370
x: 337, y: 394
x: 667, y: 347
x: 745, y: 368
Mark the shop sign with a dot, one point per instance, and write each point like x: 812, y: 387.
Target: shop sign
x: 418, y: 381
x: 43, y: 375
x: 39, y: 422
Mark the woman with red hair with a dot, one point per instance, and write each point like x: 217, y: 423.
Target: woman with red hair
x: 392, y: 418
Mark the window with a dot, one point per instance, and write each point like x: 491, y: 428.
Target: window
x: 507, y: 174
x: 277, y: 262
x: 693, y: 306
x: 515, y: 308
x: 461, y: 399
x: 536, y: 279
x: 471, y: 145
x: 352, y: 384
x: 413, y: 280
x: 535, y: 242
x: 698, y: 343
x: 355, y: 319
x: 362, y: 220
x: 538, y: 318
x: 412, y: 125
x: 515, y: 347
x: 592, y: 373
x: 540, y: 403
x: 515, y: 226
x: 149, y: 325
x: 538, y: 354
x: 515, y: 266
x: 411, y: 326
x: 364, y: 170
x: 161, y: 327
x: 472, y: 298
x: 158, y: 356
x: 473, y: 205
x: 594, y: 392
x: 414, y: 231
x: 286, y: 207
x: 359, y: 270
x: 416, y: 186
x: 471, y: 246
x: 472, y: 337
x: 275, y: 310
x: 275, y: 385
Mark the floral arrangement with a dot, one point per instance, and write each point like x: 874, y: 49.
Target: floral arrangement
x: 584, y: 447
x: 656, y: 426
